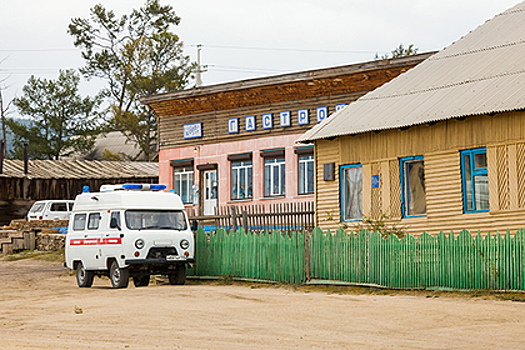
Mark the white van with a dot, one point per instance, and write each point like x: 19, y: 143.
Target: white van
x: 50, y: 210
x: 129, y: 230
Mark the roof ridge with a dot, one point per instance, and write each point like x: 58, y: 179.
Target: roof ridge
x: 469, y: 52
x: 441, y: 87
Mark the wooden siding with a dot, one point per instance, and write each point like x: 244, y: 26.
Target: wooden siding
x: 215, y: 124
x: 440, y: 144
x: 327, y: 213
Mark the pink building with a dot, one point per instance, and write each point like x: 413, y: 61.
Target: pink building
x: 234, y: 143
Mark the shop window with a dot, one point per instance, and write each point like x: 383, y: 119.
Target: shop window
x: 241, y: 180
x: 183, y: 183
x: 475, y: 180
x: 306, y: 174
x: 413, y: 193
x: 274, y: 177
x: 351, y: 192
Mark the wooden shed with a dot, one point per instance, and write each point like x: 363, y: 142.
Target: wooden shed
x: 441, y: 147
x: 62, y: 179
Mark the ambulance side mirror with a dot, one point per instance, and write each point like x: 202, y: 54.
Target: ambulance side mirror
x: 113, y: 223
x: 194, y: 225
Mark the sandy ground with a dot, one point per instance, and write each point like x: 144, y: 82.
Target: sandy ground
x: 38, y: 301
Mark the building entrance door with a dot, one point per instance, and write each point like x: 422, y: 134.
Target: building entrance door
x: 210, y: 191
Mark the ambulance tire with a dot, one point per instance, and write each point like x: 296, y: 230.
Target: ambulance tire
x: 84, y: 277
x: 141, y: 280
x: 119, y: 277
x: 178, y: 278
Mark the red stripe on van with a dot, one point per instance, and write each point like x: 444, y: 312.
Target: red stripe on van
x: 95, y: 241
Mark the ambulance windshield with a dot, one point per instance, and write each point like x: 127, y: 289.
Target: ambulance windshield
x: 155, y: 220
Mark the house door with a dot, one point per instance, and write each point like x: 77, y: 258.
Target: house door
x: 210, y: 191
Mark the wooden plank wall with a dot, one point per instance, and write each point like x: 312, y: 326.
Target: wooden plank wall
x: 215, y: 123
x: 440, y: 144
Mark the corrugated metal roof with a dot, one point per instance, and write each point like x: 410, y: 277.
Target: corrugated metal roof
x: 79, y: 169
x: 116, y: 143
x: 481, y: 73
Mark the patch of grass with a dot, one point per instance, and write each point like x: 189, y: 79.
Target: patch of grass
x: 54, y: 256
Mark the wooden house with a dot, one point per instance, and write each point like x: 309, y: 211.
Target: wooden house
x: 441, y: 147
x: 234, y: 143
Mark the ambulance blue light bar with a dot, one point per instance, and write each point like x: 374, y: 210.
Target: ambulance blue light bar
x: 144, y: 187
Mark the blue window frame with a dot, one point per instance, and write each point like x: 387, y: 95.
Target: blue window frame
x: 413, y: 192
x: 351, y: 177
x: 475, y: 180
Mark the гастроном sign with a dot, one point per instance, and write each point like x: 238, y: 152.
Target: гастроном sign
x: 285, y: 119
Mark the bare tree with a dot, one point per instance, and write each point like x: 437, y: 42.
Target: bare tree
x: 3, y: 114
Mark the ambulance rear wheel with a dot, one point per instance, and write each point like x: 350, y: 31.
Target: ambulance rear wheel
x: 119, y: 277
x: 84, y: 277
x: 141, y: 280
x: 179, y: 276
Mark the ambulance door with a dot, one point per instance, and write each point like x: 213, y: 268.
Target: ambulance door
x: 92, y: 244
x: 111, y: 236
x: 83, y: 243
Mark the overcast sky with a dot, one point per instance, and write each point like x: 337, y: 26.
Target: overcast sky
x: 244, y: 39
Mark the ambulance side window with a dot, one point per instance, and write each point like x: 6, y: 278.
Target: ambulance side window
x: 79, y: 222
x: 94, y: 221
x: 114, y: 221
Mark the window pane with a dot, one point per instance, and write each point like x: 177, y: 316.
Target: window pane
x: 267, y: 180
x: 184, y: 188
x: 468, y: 183
x: 234, y: 180
x: 275, y: 185
x: 480, y: 160
x: 310, y: 176
x: 283, y: 179
x: 481, y: 188
x: 302, y: 179
x: 352, y: 188
x: 79, y: 222
x: 176, y: 185
x: 93, y: 221
x: 242, y: 183
x: 415, y: 196
x: 190, y: 187
x: 249, y: 180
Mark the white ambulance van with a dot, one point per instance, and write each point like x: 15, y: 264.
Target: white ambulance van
x: 132, y: 230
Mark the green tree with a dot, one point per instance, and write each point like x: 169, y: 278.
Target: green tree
x: 399, y: 51
x: 60, y: 120
x: 137, y: 55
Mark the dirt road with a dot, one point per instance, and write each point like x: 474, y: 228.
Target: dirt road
x: 42, y: 308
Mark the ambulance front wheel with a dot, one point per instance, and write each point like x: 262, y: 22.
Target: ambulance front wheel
x: 179, y: 276
x: 84, y: 277
x: 119, y: 277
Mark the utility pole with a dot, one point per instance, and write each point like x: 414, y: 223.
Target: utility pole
x: 2, y: 115
x: 200, y: 69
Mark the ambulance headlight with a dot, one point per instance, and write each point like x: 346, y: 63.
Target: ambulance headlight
x: 184, y: 244
x: 139, y: 243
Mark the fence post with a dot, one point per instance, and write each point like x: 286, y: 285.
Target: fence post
x: 307, y: 254
x: 245, y: 220
x: 234, y: 218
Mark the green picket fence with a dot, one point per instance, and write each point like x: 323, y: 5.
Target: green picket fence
x: 263, y: 256
x: 462, y: 261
